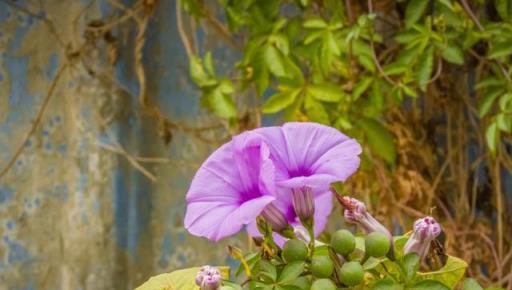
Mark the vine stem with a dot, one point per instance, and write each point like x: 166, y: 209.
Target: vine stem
x: 181, y: 31
x: 374, y: 54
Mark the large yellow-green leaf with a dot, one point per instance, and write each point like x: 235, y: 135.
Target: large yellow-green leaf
x: 177, y: 280
x: 450, y: 274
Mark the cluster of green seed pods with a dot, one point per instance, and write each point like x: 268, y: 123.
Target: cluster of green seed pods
x: 337, y: 266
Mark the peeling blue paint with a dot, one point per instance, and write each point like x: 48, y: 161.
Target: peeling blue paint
x: 51, y: 69
x: 165, y: 251
x: 6, y: 194
x: 17, y: 253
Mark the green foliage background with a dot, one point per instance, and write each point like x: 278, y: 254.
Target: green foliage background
x: 425, y: 86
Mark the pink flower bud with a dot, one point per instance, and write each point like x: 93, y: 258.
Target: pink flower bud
x: 424, y: 231
x: 303, y: 203
x: 208, y: 278
x: 355, y: 212
x: 275, y: 218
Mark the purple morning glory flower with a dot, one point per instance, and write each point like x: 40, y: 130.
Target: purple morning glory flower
x: 424, y: 231
x: 231, y: 188
x: 312, y: 156
x: 264, y: 166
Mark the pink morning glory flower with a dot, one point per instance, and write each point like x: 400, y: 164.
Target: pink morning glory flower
x: 231, y: 188
x: 262, y: 167
x: 424, y: 231
x: 308, y: 157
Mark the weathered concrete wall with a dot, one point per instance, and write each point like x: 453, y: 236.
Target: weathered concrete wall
x: 74, y: 213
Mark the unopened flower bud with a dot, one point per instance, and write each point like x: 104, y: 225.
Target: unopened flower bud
x: 303, y: 204
x: 208, y: 278
x: 275, y: 218
x: 424, y: 231
x: 355, y: 212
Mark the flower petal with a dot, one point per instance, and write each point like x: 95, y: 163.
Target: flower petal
x: 340, y: 161
x: 216, y: 221
x: 252, y: 159
x: 217, y: 180
x: 323, y: 208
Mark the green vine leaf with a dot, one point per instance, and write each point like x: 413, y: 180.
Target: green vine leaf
x: 449, y: 275
x: 327, y: 92
x: 501, y: 49
x: 414, y: 11
x: 425, y: 67
x: 280, y: 101
x: 379, y: 139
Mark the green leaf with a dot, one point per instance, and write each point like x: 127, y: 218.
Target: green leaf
x: 489, y: 82
x: 294, y: 77
x: 379, y: 139
x: 414, y: 11
x: 448, y: 4
x: 452, y: 53
x: 280, y: 101
x: 505, y: 101
x: 220, y: 102
x: 196, y: 69
x: 327, y: 92
x: 280, y: 41
x: 177, y: 280
x: 302, y: 282
x: 316, y: 111
x: 275, y: 61
x: 399, y: 243
x: 361, y: 87
x: 228, y: 285
x: 410, y: 264
x: 198, y: 73
x: 208, y: 64
x: 395, y: 69
x: 330, y: 41
x: 291, y: 272
x: 407, y: 36
x: 504, y: 8
x: 386, y: 284
x: 501, y: 49
x: 492, y: 136
x: 485, y: 104
x: 424, y: 67
x: 315, y: 22
x: 450, y: 274
x: 260, y: 73
x: 429, y: 285
x: 310, y: 37
x: 267, y: 270
x: 471, y: 284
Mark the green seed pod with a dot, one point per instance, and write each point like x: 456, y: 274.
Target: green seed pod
x: 343, y: 242
x: 376, y: 244
x: 295, y: 250
x: 323, y: 284
x: 351, y: 273
x: 322, y: 266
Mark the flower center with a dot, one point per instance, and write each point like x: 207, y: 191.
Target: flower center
x: 300, y: 172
